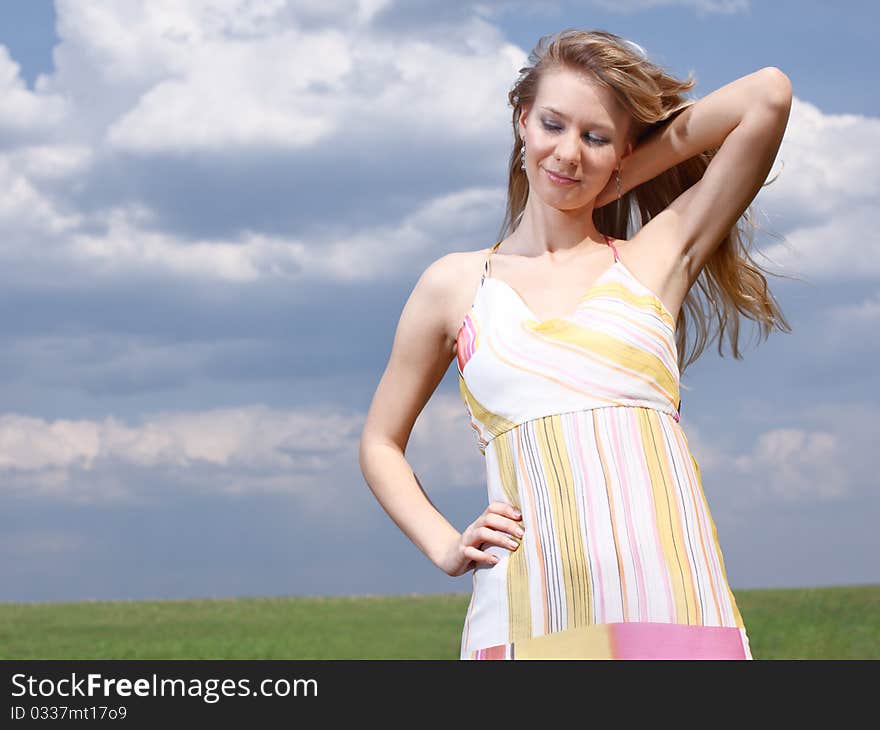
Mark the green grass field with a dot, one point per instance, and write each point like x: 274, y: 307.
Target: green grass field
x: 840, y: 622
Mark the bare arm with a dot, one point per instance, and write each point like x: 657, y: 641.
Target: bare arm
x: 420, y: 356
x: 400, y: 493
x: 702, y: 126
x: 697, y: 221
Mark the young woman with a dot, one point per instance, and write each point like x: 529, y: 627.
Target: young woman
x: 597, y: 541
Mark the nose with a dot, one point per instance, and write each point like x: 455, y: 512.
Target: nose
x: 567, y: 150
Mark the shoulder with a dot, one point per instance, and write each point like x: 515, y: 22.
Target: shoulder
x: 462, y: 260
x: 437, y: 280
x: 445, y: 273
x: 448, y: 282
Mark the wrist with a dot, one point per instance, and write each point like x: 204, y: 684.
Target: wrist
x: 444, y: 555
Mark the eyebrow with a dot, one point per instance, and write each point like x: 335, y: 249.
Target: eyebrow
x: 602, y: 125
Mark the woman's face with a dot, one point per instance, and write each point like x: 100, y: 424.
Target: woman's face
x: 575, y: 128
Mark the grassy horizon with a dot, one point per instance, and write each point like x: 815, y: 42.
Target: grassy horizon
x: 836, y: 622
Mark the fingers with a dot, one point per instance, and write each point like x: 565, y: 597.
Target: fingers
x: 500, y: 525
x: 503, y: 508
x: 478, y: 556
x: 497, y: 537
x: 503, y: 516
x: 504, y: 524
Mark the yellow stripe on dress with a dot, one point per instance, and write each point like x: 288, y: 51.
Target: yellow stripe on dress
x: 668, y: 512
x: 559, y: 483
x: 611, y: 352
x: 519, y: 608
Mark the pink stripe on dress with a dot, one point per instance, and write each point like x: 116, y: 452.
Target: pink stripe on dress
x: 645, y: 640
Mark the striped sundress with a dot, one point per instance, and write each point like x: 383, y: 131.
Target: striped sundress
x: 578, y: 420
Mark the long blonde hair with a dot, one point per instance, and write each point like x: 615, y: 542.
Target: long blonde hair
x: 731, y: 280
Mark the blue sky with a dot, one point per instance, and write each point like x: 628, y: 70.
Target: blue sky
x: 213, y: 213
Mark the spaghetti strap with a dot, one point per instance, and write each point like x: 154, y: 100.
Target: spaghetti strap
x: 487, y: 266
x: 609, y: 240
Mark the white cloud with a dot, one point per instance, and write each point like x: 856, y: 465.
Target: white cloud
x: 829, y: 178
x: 128, y: 243
x: 177, y: 77
x: 283, y: 90
x: 52, y: 456
x: 25, y: 209
x: 362, y: 11
x: 813, y: 452
x: 829, y: 159
x: 51, y: 162
x: 794, y: 463
x: 224, y: 77
x: 249, y: 447
x: 827, y: 250
x: 23, y: 112
x: 295, y: 89
x: 131, y: 42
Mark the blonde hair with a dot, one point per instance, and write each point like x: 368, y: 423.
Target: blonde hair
x: 731, y: 280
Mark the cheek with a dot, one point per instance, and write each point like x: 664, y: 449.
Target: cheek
x: 542, y: 145
x: 604, y: 162
x: 600, y: 161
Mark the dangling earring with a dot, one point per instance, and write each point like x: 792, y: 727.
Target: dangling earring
x: 522, y: 155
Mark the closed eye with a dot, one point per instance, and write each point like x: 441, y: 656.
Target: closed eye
x: 590, y: 138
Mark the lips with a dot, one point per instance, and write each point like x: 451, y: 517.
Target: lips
x: 564, y: 177
x: 558, y: 178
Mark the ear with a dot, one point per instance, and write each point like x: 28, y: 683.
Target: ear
x: 523, y: 113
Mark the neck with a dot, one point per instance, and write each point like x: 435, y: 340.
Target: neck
x: 544, y: 229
